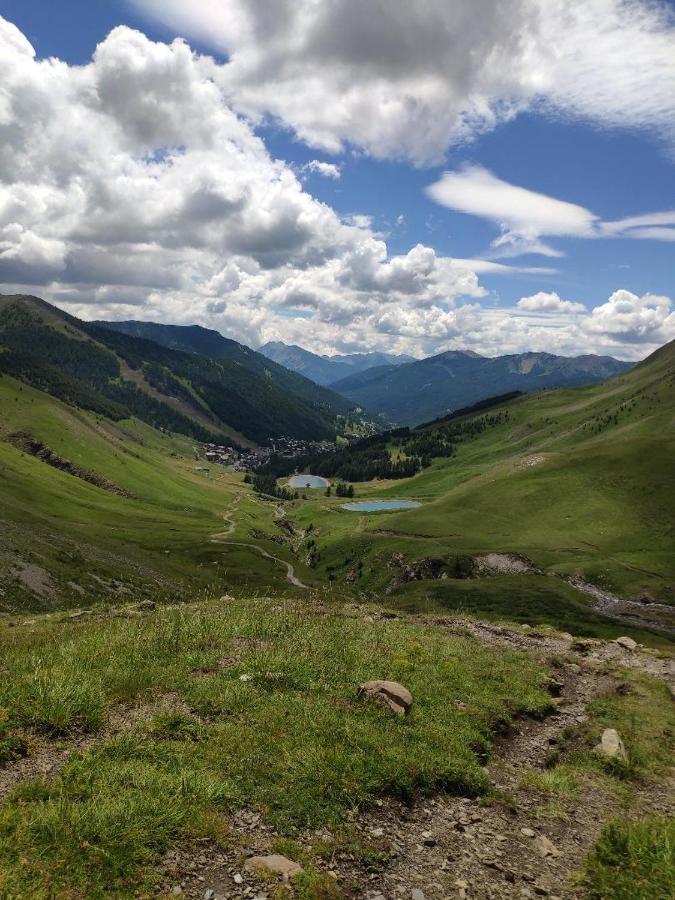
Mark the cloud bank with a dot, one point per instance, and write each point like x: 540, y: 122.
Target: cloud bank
x: 129, y: 186
x: 132, y: 187
x: 407, y: 79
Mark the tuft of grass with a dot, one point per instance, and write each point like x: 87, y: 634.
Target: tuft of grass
x: 12, y: 745
x: 55, y: 700
x: 553, y: 783
x: 108, y: 815
x: 633, y: 861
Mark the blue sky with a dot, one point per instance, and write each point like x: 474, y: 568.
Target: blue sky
x: 513, y: 249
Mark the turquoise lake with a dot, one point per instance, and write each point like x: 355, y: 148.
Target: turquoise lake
x: 377, y: 505
x: 307, y: 481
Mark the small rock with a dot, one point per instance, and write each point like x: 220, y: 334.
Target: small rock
x: 546, y: 847
x: 238, y: 879
x: 246, y: 677
x: 177, y: 890
x: 611, y: 745
x: 390, y: 693
x: 527, y: 832
x: 274, y: 864
x: 417, y: 894
x: 148, y: 604
x: 209, y: 894
x: 627, y: 643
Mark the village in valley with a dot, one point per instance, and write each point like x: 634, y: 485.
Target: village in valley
x: 248, y: 459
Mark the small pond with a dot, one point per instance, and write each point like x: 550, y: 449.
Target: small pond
x: 377, y: 505
x: 307, y: 481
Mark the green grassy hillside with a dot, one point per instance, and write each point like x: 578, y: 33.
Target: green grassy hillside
x: 67, y: 542
x: 133, y: 736
x: 581, y: 481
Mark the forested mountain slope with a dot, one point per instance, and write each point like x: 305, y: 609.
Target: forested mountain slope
x: 120, y: 375
x: 207, y: 342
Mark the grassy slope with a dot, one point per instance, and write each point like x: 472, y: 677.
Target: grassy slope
x: 598, y: 502
x: 80, y: 533
x: 292, y: 740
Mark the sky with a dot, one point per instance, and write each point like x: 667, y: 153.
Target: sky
x: 347, y: 176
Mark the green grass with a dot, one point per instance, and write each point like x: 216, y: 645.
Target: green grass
x: 292, y: 740
x: 633, y: 861
x: 530, y: 599
x: 96, y: 546
x: 645, y: 719
x: 643, y: 715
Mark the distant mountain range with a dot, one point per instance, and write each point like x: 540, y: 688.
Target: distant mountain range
x: 426, y: 389
x: 195, y: 381
x: 326, y: 370
x: 187, y: 380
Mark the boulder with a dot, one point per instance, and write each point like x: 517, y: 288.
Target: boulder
x: 389, y: 693
x: 146, y: 604
x: 611, y: 745
x: 275, y: 864
x: 627, y: 643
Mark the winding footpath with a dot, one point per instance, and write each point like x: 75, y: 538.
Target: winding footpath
x: 223, y: 537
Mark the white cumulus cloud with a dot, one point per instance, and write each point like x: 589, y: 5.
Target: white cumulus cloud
x: 549, y: 303
x: 129, y: 186
x: 407, y: 79
x: 320, y: 167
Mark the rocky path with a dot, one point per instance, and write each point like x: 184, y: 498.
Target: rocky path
x: 514, y: 846
x: 457, y: 847
x: 658, y: 616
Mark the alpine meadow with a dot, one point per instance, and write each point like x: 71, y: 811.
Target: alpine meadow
x: 337, y: 450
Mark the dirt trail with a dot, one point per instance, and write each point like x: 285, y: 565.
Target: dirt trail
x: 222, y: 537
x: 228, y: 517
x: 458, y: 847
x: 658, y: 616
x: 452, y: 847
